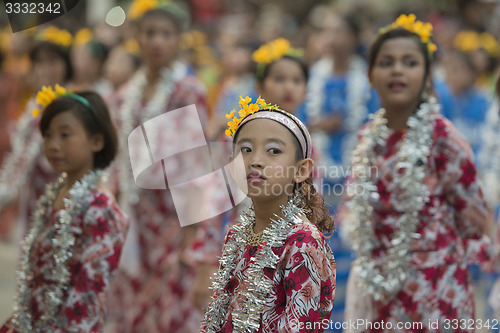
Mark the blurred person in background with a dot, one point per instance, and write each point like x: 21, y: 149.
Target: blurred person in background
x: 25, y: 171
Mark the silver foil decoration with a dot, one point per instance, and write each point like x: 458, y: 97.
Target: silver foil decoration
x: 62, y: 244
x: 247, y: 319
x: 410, y: 194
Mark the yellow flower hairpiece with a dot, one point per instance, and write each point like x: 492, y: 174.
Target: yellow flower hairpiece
x: 139, y: 7
x: 47, y: 95
x: 56, y: 36
x: 470, y: 41
x: 274, y: 50
x: 410, y: 23
x: 246, y: 110
x: 83, y: 36
x: 131, y: 46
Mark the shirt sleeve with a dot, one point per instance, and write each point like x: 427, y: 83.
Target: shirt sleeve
x: 101, y: 241
x: 309, y: 284
x: 461, y: 186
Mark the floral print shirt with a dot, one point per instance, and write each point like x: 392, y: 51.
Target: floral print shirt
x: 450, y: 234
x: 301, y: 299
x: 99, y: 237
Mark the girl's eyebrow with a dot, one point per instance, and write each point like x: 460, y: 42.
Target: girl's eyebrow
x: 274, y: 140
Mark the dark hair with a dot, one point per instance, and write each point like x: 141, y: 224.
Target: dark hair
x: 60, y: 51
x: 313, y: 204
x: 262, y: 74
x: 398, y: 33
x: 95, y: 121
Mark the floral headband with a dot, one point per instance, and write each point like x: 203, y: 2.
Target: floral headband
x: 56, y: 36
x: 423, y: 30
x: 47, y: 95
x: 273, y: 51
x: 140, y: 7
x: 262, y: 110
x: 472, y: 40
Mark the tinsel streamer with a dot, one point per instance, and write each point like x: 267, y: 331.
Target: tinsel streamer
x: 258, y: 285
x: 17, y: 165
x: 155, y: 107
x: 410, y: 196
x: 62, y: 243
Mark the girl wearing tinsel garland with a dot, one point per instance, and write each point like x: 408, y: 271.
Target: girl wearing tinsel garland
x: 277, y: 273
x: 164, y: 276
x: 25, y: 164
x: 415, y: 212
x: 72, y: 250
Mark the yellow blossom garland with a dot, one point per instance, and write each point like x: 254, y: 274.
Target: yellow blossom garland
x: 47, y: 95
x: 471, y: 40
x: 83, y: 36
x: 246, y: 110
x: 410, y: 23
x: 56, y: 36
x: 273, y: 51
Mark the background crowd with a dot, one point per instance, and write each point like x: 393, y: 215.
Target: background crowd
x: 82, y: 50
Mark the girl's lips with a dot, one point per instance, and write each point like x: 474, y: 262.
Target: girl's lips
x: 396, y: 86
x: 55, y: 160
x: 288, y: 99
x: 255, y: 177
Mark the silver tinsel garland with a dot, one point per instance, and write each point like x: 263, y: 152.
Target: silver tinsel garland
x: 128, y: 113
x: 258, y: 286
x: 62, y: 243
x: 409, y: 193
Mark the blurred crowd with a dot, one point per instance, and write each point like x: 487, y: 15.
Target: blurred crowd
x: 217, y: 46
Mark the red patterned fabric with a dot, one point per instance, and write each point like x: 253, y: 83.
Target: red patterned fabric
x: 99, y: 236
x: 450, y: 232
x: 301, y: 299
x: 160, y: 298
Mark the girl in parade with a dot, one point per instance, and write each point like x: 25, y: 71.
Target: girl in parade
x: 416, y: 214
x: 25, y: 164
x: 281, y: 74
x: 277, y: 273
x: 164, y: 276
x: 71, y: 252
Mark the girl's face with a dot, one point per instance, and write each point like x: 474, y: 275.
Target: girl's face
x: 398, y: 73
x: 119, y: 67
x: 159, y: 41
x: 339, y: 38
x: 48, y: 69
x: 269, y: 155
x: 84, y: 62
x: 285, y: 85
x: 458, y: 74
x: 68, y: 146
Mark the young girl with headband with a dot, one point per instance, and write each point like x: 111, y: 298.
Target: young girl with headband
x: 72, y: 250
x: 277, y: 272
x: 281, y: 74
x: 416, y: 213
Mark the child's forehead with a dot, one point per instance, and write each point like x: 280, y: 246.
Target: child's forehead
x: 264, y: 130
x: 400, y: 45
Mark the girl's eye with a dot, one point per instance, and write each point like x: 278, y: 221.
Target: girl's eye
x: 411, y: 62
x: 65, y: 135
x: 384, y: 63
x: 245, y: 149
x: 274, y: 151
